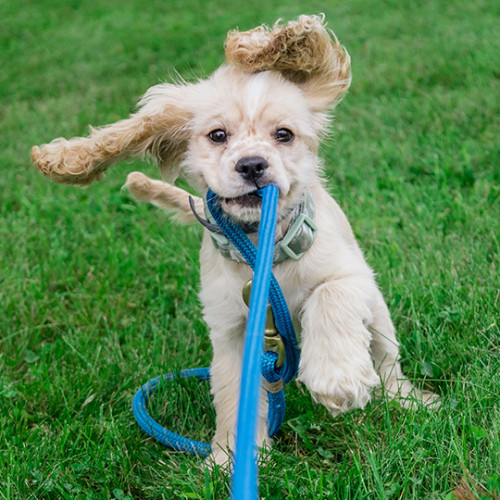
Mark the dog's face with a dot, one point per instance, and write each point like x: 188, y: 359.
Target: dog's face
x: 248, y: 131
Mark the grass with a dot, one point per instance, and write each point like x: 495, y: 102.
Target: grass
x: 98, y: 293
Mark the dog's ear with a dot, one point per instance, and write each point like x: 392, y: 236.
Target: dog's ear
x: 304, y: 51
x: 159, y: 129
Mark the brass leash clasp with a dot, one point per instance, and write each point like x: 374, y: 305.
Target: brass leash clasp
x: 272, y: 339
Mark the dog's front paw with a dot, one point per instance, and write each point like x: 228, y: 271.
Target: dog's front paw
x: 340, y: 391
x: 222, y: 454
x: 219, y: 457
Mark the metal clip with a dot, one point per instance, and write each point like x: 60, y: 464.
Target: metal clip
x: 272, y: 339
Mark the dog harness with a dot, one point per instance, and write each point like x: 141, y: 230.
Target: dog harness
x: 298, y: 238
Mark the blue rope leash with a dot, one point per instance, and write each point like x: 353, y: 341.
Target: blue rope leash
x: 244, y: 484
x: 153, y: 428
x: 276, y: 400
x: 266, y: 288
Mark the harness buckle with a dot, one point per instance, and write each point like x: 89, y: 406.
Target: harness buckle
x: 293, y: 245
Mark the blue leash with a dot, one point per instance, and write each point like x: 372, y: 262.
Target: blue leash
x: 244, y: 485
x: 153, y: 428
x: 265, y: 287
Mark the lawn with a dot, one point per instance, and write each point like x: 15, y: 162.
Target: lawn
x: 98, y: 293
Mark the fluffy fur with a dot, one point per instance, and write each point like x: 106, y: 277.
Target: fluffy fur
x: 284, y: 78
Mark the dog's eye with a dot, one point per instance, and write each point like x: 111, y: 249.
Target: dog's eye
x: 283, y: 135
x: 218, y: 136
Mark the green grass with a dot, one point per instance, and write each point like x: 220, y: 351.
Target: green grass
x: 98, y: 293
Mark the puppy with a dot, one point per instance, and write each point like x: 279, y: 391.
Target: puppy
x: 258, y: 120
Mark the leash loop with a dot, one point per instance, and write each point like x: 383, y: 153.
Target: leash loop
x: 157, y: 431
x: 273, y: 384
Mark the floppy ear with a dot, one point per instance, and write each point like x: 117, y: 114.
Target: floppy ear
x: 159, y: 129
x: 304, y: 51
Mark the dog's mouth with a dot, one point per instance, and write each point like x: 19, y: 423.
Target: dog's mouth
x: 249, y: 200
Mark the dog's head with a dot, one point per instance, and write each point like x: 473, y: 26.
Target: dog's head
x: 256, y: 121
x: 250, y: 130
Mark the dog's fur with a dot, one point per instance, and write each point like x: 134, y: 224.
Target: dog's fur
x: 288, y: 77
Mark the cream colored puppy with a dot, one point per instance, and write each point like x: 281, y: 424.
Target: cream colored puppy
x: 256, y: 121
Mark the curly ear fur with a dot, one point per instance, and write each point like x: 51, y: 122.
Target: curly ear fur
x: 302, y: 50
x: 159, y: 129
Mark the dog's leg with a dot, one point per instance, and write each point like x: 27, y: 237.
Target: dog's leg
x: 225, y: 382
x: 225, y: 374
x: 163, y: 195
x: 385, y: 353
x: 335, y: 363
x: 225, y: 313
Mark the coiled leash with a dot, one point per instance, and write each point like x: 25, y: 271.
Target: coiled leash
x: 279, y: 362
x: 153, y: 428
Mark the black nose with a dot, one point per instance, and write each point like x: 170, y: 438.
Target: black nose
x: 251, y: 168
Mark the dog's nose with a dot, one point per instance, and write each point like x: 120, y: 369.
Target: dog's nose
x: 251, y: 168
